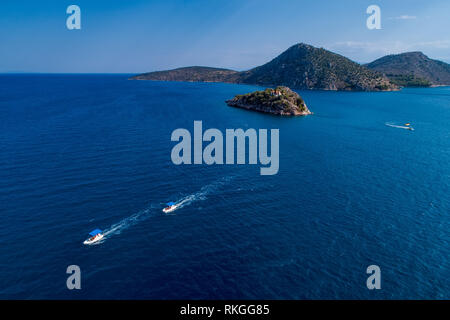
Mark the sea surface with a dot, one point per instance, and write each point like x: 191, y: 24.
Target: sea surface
x: 79, y: 152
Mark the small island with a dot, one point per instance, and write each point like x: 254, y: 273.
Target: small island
x: 280, y: 101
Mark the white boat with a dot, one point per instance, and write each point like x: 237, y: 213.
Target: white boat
x: 171, y: 206
x: 96, y: 235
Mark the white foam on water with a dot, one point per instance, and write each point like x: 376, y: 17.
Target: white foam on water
x: 154, y: 210
x: 130, y: 221
x: 204, y: 191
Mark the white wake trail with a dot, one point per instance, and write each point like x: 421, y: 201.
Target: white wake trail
x: 128, y: 222
x: 397, y: 126
x: 202, y: 194
x: 154, y: 210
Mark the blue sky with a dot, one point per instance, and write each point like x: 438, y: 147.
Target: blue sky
x: 137, y: 36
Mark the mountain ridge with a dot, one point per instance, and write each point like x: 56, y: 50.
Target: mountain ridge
x: 303, y: 66
x: 412, y: 69
x: 193, y: 73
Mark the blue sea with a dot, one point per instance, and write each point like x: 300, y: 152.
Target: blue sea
x: 80, y: 152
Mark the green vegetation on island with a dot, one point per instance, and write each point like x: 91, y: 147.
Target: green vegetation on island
x: 407, y: 80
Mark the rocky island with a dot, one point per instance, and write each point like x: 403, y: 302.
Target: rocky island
x: 280, y: 101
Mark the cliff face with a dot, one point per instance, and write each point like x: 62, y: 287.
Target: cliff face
x: 412, y: 69
x: 279, y: 101
x: 301, y: 66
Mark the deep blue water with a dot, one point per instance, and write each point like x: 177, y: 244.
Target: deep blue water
x: 85, y: 151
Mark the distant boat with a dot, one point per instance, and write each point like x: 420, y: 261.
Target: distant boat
x: 407, y: 126
x: 171, y: 206
x: 96, y: 235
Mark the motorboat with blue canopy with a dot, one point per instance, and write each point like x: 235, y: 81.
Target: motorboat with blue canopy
x: 95, y: 232
x: 171, y: 206
x: 95, y: 235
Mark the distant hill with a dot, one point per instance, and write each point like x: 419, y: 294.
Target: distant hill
x: 197, y: 74
x: 412, y: 69
x: 306, y: 67
x: 301, y: 66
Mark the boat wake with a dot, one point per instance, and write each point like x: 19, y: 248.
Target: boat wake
x: 397, y: 126
x: 155, y: 209
x: 126, y: 223
x: 202, y: 194
x: 130, y: 221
